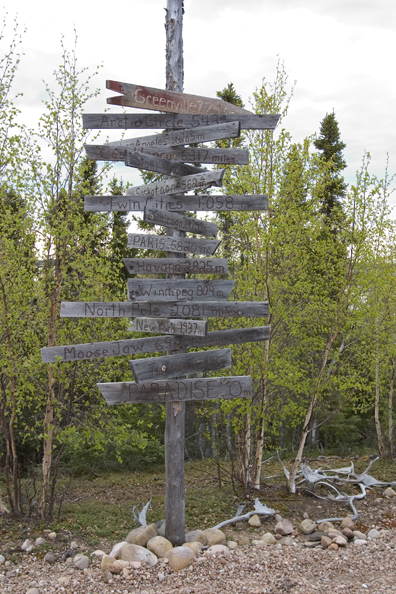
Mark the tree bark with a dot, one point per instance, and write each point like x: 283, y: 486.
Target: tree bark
x: 390, y: 409
x: 377, y: 399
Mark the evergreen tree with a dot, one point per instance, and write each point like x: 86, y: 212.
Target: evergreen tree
x: 330, y: 147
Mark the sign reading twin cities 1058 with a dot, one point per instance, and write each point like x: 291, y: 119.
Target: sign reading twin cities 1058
x: 176, y: 265
x: 165, y: 309
x: 177, y: 390
x: 179, y: 365
x: 169, y: 243
x: 177, y: 289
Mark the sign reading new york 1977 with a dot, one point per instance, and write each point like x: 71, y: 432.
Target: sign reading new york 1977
x: 173, y: 306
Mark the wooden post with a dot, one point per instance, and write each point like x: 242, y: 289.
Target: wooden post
x: 175, y: 497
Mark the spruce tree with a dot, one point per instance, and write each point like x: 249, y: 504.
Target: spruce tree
x: 330, y: 148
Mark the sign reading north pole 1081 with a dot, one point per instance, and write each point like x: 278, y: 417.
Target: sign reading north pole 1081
x: 172, y: 307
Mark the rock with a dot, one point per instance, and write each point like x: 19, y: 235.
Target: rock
x: 325, y: 541
x: 30, y: 549
x: 52, y: 535
x: 341, y: 541
x: 217, y: 550
x: 132, y: 552
x: 359, y: 542
x: 288, y: 541
x: 33, y: 591
x: 161, y: 576
x: 119, y: 565
x: 159, y: 545
x: 389, y: 492
x: 64, y: 580
x: 50, y: 558
x: 334, y: 533
x: 81, y: 562
x: 67, y: 554
x: 284, y: 527
x: 348, y: 533
x: 2, y: 560
x: 305, y: 515
x: 325, y: 527
x: 194, y: 546
x: 74, y: 545
x: 135, y: 564
x: 140, y: 536
x: 107, y: 564
x: 259, y: 543
x: 39, y: 542
x: 278, y: 536
x: 197, y: 536
x: 107, y: 576
x: 231, y: 544
x: 307, y: 526
x: 161, y: 524
x: 115, y: 551
x: 243, y: 540
x: 359, y: 535
x: 180, y: 557
x: 254, y: 521
x: 311, y: 545
x: 278, y: 517
x: 347, y: 523
x: 316, y: 535
x: 333, y: 547
x: 28, y: 543
x: 373, y: 534
x: 269, y: 538
x: 214, y: 536
x: 99, y: 553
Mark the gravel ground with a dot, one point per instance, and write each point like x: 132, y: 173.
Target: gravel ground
x: 250, y: 569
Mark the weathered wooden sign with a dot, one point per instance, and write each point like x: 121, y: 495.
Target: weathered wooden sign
x: 174, y: 121
x: 180, y: 222
x: 176, y: 265
x: 176, y: 203
x: 176, y: 289
x: 149, y: 162
x: 174, y: 366
x: 168, y: 309
x: 166, y: 326
x: 180, y: 137
x: 216, y: 156
x: 200, y: 181
x: 169, y: 243
x: 168, y: 101
x: 163, y: 391
x: 154, y: 344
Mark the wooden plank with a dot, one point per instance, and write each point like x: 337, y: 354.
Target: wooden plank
x: 167, y: 309
x: 181, y: 137
x: 177, y: 203
x: 179, y: 245
x: 180, y: 222
x: 176, y: 265
x: 216, y: 156
x: 137, y: 346
x: 149, y: 162
x: 176, y: 366
x: 200, y: 181
x: 178, y: 289
x: 176, y: 121
x: 168, y: 101
x: 166, y: 326
x: 212, y: 388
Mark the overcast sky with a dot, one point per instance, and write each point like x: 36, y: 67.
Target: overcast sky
x: 340, y: 52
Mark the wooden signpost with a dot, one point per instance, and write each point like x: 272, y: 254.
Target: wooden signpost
x: 174, y: 308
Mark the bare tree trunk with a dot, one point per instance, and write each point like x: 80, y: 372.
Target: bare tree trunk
x: 390, y: 410
x: 256, y: 471
x: 243, y: 452
x: 377, y: 399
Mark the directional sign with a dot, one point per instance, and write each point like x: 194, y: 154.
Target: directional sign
x: 174, y: 121
x: 200, y: 181
x: 167, y: 309
x: 168, y: 101
x: 169, y: 243
x: 176, y: 203
x: 176, y: 265
x: 165, y: 326
x: 176, y: 289
x: 217, y: 156
x: 162, y: 391
x: 152, y: 163
x: 136, y: 346
x: 178, y: 138
x: 173, y: 366
x: 180, y: 222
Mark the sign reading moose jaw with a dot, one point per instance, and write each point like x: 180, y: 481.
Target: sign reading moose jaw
x: 176, y: 309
